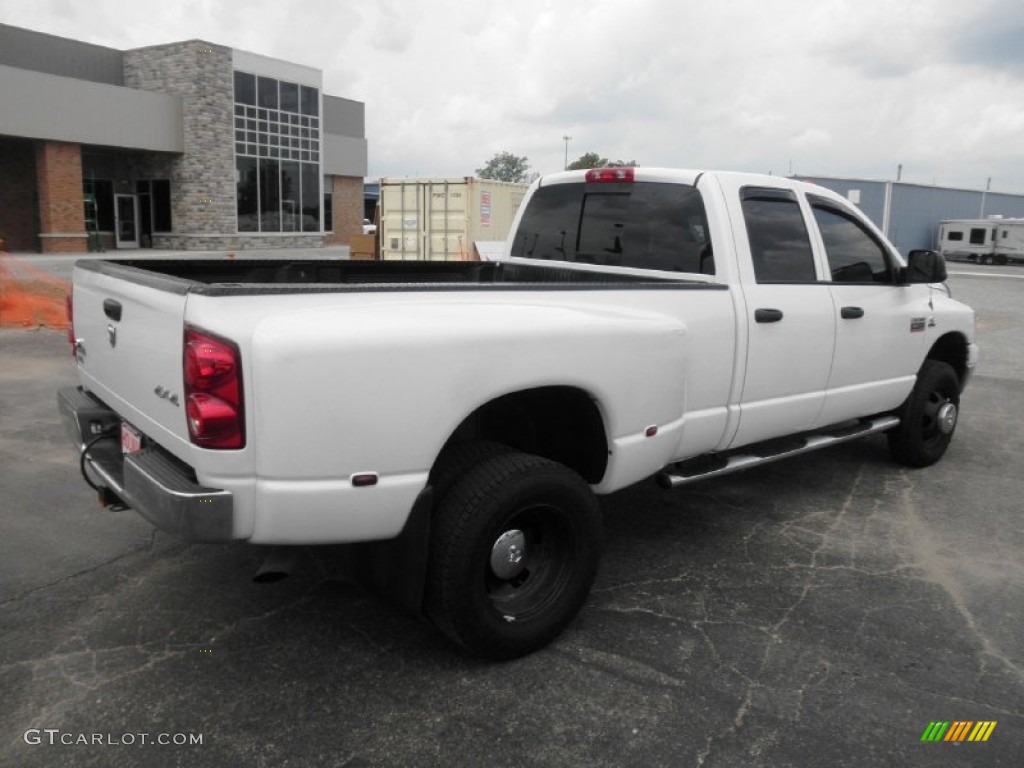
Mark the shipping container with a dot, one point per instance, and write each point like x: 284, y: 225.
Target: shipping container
x: 440, y: 219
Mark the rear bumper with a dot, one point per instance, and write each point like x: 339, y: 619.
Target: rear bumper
x: 152, y: 482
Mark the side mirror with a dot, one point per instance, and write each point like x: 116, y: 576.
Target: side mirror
x: 924, y: 267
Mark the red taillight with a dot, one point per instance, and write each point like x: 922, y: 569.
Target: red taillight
x: 605, y: 175
x: 213, y: 391
x: 69, y: 306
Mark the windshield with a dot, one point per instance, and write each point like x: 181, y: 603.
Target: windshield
x: 643, y: 225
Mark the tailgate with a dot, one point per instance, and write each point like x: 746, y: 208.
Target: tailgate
x: 129, y: 327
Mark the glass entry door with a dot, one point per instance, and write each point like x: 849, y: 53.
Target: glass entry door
x: 126, y: 217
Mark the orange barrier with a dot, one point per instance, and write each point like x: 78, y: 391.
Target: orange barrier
x: 30, y: 298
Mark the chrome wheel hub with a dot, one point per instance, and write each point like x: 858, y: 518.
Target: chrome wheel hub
x: 947, y: 418
x: 507, y: 554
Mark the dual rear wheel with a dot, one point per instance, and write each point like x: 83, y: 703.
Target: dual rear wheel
x: 515, y: 546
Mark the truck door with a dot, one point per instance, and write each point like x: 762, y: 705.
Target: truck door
x: 881, y: 326
x: 790, y: 317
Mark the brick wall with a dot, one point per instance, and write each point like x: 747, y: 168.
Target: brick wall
x: 59, y: 184
x: 18, y: 216
x: 346, y: 208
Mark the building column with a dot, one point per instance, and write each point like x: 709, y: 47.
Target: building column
x: 347, y: 205
x: 59, y: 182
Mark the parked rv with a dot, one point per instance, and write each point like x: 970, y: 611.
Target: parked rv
x: 987, y: 241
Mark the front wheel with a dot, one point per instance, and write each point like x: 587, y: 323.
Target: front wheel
x: 514, y: 551
x: 928, y: 417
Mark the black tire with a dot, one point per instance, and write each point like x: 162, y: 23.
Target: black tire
x: 512, y: 499
x: 927, y: 422
x: 985, y: 259
x: 456, y: 460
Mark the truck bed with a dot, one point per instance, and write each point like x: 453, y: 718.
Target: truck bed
x: 262, y: 276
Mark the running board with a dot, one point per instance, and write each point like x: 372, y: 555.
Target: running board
x: 715, y: 465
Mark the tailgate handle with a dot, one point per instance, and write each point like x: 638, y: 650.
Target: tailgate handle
x: 112, y: 309
x: 767, y: 315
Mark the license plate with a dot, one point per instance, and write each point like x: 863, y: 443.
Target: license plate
x: 131, y: 438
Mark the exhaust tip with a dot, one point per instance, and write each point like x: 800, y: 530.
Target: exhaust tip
x: 277, y: 566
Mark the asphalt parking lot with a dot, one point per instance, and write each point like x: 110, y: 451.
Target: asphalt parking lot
x: 820, y: 612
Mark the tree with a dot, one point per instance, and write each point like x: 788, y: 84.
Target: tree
x: 505, y: 166
x: 594, y: 160
x: 587, y: 160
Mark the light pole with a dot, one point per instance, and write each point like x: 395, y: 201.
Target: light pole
x: 566, y: 139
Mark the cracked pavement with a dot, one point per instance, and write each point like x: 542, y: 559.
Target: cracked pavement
x: 820, y: 611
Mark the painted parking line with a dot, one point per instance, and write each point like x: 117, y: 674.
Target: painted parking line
x: 986, y: 274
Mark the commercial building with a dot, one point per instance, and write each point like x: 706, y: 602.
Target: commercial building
x: 189, y: 145
x: 910, y: 214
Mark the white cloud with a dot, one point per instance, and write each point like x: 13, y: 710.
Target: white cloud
x: 832, y: 87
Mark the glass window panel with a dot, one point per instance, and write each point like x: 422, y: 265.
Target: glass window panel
x: 267, y: 88
x: 328, y: 213
x: 250, y: 111
x: 291, y: 192
x: 289, y: 97
x: 779, y: 244
x: 239, y: 109
x: 263, y: 150
x: 247, y: 194
x: 854, y: 256
x: 161, y: 205
x: 270, y: 195
x: 310, y: 101
x: 240, y: 149
x: 245, y: 88
x: 310, y: 198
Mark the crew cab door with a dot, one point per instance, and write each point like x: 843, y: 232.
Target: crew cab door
x: 881, y: 326
x: 790, y: 315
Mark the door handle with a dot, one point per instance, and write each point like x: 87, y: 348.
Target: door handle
x: 767, y: 315
x: 851, y: 313
x: 112, y: 309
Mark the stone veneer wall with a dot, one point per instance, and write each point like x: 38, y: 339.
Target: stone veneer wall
x: 203, y: 208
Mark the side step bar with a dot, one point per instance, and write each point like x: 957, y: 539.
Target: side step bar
x: 705, y: 467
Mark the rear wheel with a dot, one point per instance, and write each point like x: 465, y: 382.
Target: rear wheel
x: 928, y: 417
x: 514, y: 550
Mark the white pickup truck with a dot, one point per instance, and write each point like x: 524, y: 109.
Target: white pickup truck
x: 464, y: 416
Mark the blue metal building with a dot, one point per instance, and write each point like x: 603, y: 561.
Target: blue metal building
x: 910, y: 214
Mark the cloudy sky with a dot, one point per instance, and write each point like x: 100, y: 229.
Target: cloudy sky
x: 816, y: 87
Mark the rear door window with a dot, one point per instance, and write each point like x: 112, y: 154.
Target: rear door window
x: 643, y: 225
x: 779, y: 244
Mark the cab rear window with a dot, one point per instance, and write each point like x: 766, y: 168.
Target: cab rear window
x: 642, y: 225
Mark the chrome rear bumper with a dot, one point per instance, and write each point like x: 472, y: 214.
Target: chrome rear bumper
x: 152, y: 482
